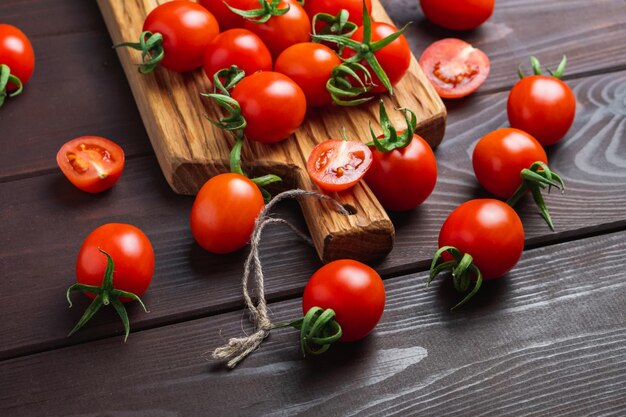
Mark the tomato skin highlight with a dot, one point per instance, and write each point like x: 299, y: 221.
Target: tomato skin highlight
x: 238, y: 47
x: 336, y: 164
x: 490, y: 231
x: 501, y: 155
x: 187, y: 30
x: 224, y: 212
x: 17, y: 53
x: 353, y: 290
x: 454, y: 67
x: 403, y: 178
x: 131, y: 252
x: 274, y: 106
x: 458, y: 14
x: 226, y: 18
x: 92, y: 163
x: 543, y: 106
x: 310, y: 66
x: 333, y: 7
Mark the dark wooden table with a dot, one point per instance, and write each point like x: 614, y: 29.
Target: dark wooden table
x: 548, y: 339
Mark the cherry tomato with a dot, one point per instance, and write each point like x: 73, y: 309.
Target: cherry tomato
x: 333, y: 7
x: 458, y: 14
x: 272, y: 104
x: 310, y: 66
x: 490, y: 231
x: 500, y: 156
x: 543, y: 106
x: 226, y: 18
x: 280, y: 32
x: 454, y: 67
x: 131, y: 252
x: 394, y: 58
x: 336, y: 165
x: 91, y: 163
x: 237, y: 47
x: 187, y: 30
x: 403, y: 178
x: 17, y: 53
x: 353, y: 290
x: 224, y: 212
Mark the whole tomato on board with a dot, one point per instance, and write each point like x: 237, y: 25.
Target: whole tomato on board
x: 542, y: 105
x: 333, y: 7
x: 175, y: 35
x: 17, y: 61
x: 92, y: 163
x: 309, y: 65
x: 115, y: 265
x: 458, y: 14
x: 338, y: 164
x: 226, y: 18
x: 480, y: 239
x: 454, y: 67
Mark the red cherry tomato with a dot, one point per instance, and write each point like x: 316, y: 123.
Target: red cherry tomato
x: 272, y: 104
x: 333, y: 7
x: 336, y: 165
x: 542, y: 106
x: 500, y: 156
x: 310, y: 66
x: 17, y: 53
x: 224, y: 212
x: 226, y: 18
x: 454, y: 67
x: 91, y: 163
x: 131, y: 252
x: 187, y: 30
x: 353, y: 290
x: 280, y: 32
x: 458, y: 14
x: 237, y: 47
x: 394, y: 58
x: 403, y: 178
x: 490, y: 231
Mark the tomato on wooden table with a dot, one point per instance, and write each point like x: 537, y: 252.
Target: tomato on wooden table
x: 238, y: 47
x: 336, y: 164
x: 17, y: 60
x: 454, y: 67
x: 91, y: 163
x: 225, y: 17
x: 353, y: 290
x: 333, y: 7
x: 458, y: 14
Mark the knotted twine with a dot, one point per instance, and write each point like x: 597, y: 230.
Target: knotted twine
x: 238, y: 348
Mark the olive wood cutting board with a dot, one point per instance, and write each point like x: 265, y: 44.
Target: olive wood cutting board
x: 191, y: 150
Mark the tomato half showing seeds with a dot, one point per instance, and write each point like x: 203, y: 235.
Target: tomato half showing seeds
x: 458, y: 14
x: 353, y: 290
x: 310, y: 66
x: 91, y: 163
x: 454, y: 67
x: 333, y: 7
x: 17, y: 53
x: 273, y: 105
x: 336, y: 165
x: 224, y: 212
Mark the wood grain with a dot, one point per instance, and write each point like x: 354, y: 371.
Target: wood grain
x: 545, y: 340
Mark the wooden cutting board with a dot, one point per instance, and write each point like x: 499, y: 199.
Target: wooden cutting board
x: 191, y: 150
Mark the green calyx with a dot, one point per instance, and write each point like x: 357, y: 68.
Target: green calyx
x: 462, y: 268
x: 5, y: 78
x: 341, y: 84
x: 391, y: 140
x: 268, y: 10
x: 105, y: 295
x: 151, y: 47
x: 536, y: 66
x: 535, y: 179
x: 318, y: 330
x: 334, y: 25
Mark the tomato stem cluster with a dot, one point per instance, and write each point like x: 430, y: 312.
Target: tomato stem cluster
x: 463, y: 271
x: 105, y: 295
x: 318, y: 330
x: 151, y: 47
x: 391, y: 139
x: 334, y: 25
x: 268, y: 10
x: 536, y: 67
x: 5, y: 78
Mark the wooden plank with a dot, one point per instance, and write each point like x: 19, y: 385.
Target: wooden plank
x: 45, y: 220
x: 549, y: 339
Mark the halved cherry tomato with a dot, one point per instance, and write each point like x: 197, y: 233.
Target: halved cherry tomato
x: 333, y: 7
x: 454, y: 67
x: 226, y: 18
x: 310, y: 65
x: 336, y: 165
x: 458, y: 14
x: 224, y: 212
x: 237, y: 47
x: 353, y: 290
x: 91, y: 163
x: 17, y: 53
x: 272, y: 104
